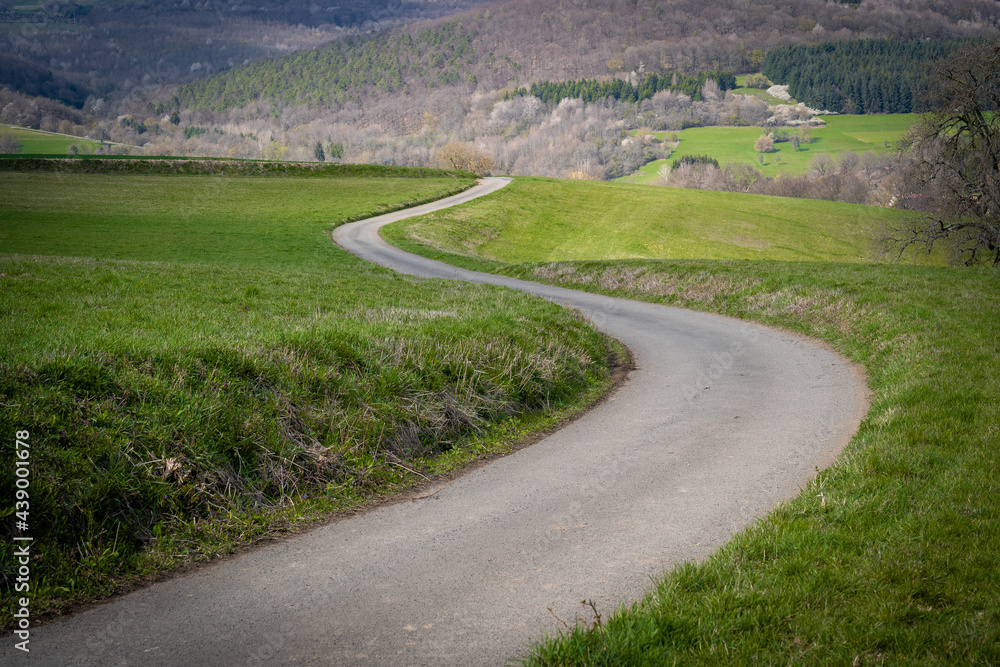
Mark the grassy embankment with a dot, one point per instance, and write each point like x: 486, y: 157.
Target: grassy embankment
x: 198, y: 366
x: 861, y: 134
x: 37, y: 142
x: 890, y: 555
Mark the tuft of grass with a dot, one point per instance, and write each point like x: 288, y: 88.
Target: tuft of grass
x: 887, y: 557
x: 199, y: 367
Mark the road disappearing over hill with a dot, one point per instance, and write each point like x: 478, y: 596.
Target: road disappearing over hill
x: 720, y: 421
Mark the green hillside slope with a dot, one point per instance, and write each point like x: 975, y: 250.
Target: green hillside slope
x: 556, y: 220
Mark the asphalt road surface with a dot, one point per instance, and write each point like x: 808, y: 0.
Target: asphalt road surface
x: 720, y: 421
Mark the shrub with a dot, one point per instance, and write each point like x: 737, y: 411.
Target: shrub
x: 758, y: 81
x: 764, y: 144
x: 9, y: 143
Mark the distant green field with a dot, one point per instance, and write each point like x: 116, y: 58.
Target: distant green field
x: 36, y: 142
x: 861, y: 134
x: 270, y: 223
x: 757, y: 92
x: 557, y: 220
x: 196, y: 350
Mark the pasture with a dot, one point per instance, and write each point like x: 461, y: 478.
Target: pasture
x: 557, y: 220
x: 860, y: 134
x: 37, y: 142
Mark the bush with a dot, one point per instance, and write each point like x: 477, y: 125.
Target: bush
x: 758, y: 81
x: 764, y: 144
x: 9, y: 143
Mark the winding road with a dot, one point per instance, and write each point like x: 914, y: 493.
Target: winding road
x: 720, y: 421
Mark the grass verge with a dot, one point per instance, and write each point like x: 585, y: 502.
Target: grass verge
x: 189, y: 387
x: 887, y: 557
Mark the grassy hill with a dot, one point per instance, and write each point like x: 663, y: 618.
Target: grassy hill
x: 198, y: 366
x: 553, y: 220
x: 887, y: 557
x: 860, y: 134
x: 36, y: 142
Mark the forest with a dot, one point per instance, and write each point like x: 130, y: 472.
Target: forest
x: 868, y: 76
x: 111, y: 48
x: 640, y: 87
x: 342, y: 70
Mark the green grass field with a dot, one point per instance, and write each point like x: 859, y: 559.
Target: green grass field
x: 861, y: 134
x: 270, y: 223
x: 198, y: 366
x: 758, y: 92
x: 558, y: 220
x: 890, y: 555
x: 36, y: 142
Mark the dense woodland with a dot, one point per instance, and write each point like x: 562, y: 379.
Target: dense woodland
x: 640, y: 87
x: 109, y: 48
x: 344, y: 70
x: 860, y: 77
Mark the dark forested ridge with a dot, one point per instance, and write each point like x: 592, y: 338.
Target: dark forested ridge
x: 112, y: 46
x: 643, y: 87
x: 343, y: 70
x: 860, y: 77
x: 32, y: 79
x: 570, y: 48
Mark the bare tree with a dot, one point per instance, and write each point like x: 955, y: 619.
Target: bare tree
x: 9, y: 143
x: 462, y: 156
x: 956, y: 170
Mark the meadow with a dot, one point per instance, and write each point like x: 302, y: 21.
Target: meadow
x: 37, y: 142
x: 889, y: 556
x: 860, y: 134
x: 741, y: 89
x: 537, y: 219
x: 199, y: 367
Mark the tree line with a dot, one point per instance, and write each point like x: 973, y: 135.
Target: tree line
x: 642, y: 88
x: 868, y: 76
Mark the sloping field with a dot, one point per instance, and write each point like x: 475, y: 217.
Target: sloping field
x: 36, y: 142
x: 558, y: 220
x: 861, y: 134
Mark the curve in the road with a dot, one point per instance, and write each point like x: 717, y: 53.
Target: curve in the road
x: 720, y: 421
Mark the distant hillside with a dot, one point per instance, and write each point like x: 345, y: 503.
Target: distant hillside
x: 520, y: 42
x: 26, y: 77
x: 343, y: 70
x: 125, y: 45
